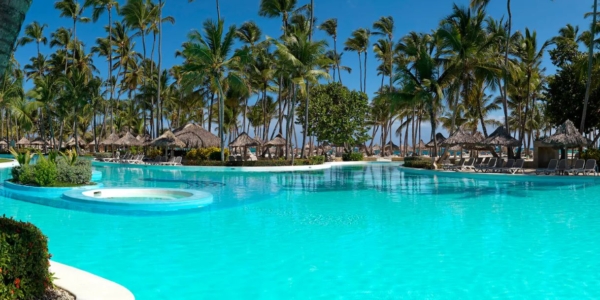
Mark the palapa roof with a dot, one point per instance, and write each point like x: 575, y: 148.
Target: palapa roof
x: 23, y: 141
x: 39, y: 141
x: 110, y: 140
x: 244, y: 140
x: 440, y: 138
x: 194, y: 136
x: 500, y: 137
x: 567, y: 136
x: 167, y: 139
x: 71, y: 142
x: 375, y: 147
x: 391, y: 144
x: 128, y: 140
x: 421, y: 145
x: 461, y: 137
x: 3, y: 142
x: 278, y: 141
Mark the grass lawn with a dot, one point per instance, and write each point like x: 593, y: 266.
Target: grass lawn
x: 5, y: 160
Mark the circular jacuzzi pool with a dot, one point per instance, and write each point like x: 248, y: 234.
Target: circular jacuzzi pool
x: 139, y: 199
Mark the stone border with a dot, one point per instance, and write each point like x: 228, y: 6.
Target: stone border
x: 321, y: 167
x: 496, y: 176
x: 87, y: 286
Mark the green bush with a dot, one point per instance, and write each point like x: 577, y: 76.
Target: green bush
x: 153, y: 153
x: 24, y: 175
x: 79, y: 173
x: 352, y: 156
x: 316, y: 160
x: 418, y: 163
x: 102, y: 155
x: 24, y: 261
x: 45, y: 172
x: 591, y: 154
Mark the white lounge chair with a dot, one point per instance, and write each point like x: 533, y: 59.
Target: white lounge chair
x: 590, y: 167
x: 577, y: 168
x: 509, y: 164
x: 562, y: 167
x: 517, y: 166
x: 490, y: 165
x: 550, y: 169
x: 458, y: 165
x: 498, y: 167
x: 468, y: 165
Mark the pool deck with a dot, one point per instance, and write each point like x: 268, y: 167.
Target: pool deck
x: 87, y: 286
x: 528, y: 176
x: 10, y: 164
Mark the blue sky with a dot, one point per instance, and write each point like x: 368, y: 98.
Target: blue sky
x: 544, y: 16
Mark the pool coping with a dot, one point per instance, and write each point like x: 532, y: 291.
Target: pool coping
x: 275, y: 169
x: 87, y: 286
x: 496, y: 176
x: 12, y: 163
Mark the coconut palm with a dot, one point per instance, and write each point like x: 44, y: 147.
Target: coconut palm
x: 385, y: 27
x: 72, y: 9
x: 62, y: 38
x: 208, y: 54
x: 330, y: 27
x: 34, y: 32
x: 589, y: 69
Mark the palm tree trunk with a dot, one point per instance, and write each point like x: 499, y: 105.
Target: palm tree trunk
x: 212, y: 102
x: 589, y: 75
x: 221, y: 115
x: 305, y: 117
x: 505, y: 71
x: 337, y: 61
x: 365, y: 70
x: 112, y: 86
x: 218, y: 12
x: 360, y: 72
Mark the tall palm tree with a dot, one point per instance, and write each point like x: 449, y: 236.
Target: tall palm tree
x: 72, y: 9
x: 330, y: 27
x: 208, y: 54
x: 385, y: 26
x: 589, y: 71
x: 62, y: 38
x: 99, y: 7
x: 34, y: 32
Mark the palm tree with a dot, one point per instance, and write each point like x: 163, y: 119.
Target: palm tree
x: 62, y: 38
x: 359, y: 42
x: 208, y: 55
x: 589, y: 71
x: 34, y: 32
x: 278, y: 8
x: 385, y: 26
x: 330, y: 27
x: 72, y: 9
x: 99, y: 7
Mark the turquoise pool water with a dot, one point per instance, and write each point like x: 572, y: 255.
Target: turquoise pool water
x: 365, y: 232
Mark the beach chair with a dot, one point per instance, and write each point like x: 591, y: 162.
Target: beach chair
x: 498, y: 167
x: 169, y: 162
x: 590, y: 167
x: 469, y: 165
x: 517, y: 166
x: 483, y: 162
x: 490, y: 165
x: 509, y: 164
x: 458, y: 165
x: 562, y: 167
x: 177, y: 161
x: 577, y: 168
x: 446, y: 164
x: 550, y: 169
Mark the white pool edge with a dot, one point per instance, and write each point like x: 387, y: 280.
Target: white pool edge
x: 10, y: 164
x: 87, y: 286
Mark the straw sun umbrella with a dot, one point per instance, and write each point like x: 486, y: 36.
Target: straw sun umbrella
x: 194, y: 136
x: 128, y: 140
x: 277, y: 142
x: 244, y: 141
x: 110, y: 141
x: 168, y: 140
x: 566, y: 136
x: 23, y: 142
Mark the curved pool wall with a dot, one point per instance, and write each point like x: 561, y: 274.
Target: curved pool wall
x: 366, y: 231
x: 132, y: 200
x: 49, y: 196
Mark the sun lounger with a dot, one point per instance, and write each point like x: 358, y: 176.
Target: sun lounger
x: 516, y: 167
x: 490, y: 165
x: 550, y: 169
x: 562, y: 166
x: 483, y: 162
x: 467, y: 166
x: 497, y: 168
x: 509, y: 164
x: 590, y: 167
x: 168, y: 162
x: 458, y: 165
x: 577, y: 168
x: 446, y: 164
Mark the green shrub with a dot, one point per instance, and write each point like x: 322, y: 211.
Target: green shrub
x: 153, y: 153
x: 216, y: 154
x: 591, y: 154
x: 24, y: 261
x: 78, y: 173
x: 102, y: 155
x: 45, y: 172
x: 316, y: 160
x: 24, y: 175
x: 352, y: 156
x: 418, y: 163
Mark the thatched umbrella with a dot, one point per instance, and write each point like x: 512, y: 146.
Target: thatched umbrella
x: 23, y: 142
x: 38, y: 142
x: 566, y: 136
x: 128, y: 140
x: 244, y: 141
x: 194, y: 136
x: 500, y: 137
x: 71, y: 142
x: 279, y: 142
x: 110, y: 140
x: 166, y: 140
x: 439, y: 138
x: 461, y: 137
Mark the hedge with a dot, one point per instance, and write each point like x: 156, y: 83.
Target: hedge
x: 418, y: 162
x: 24, y: 261
x: 315, y: 160
x: 352, y: 156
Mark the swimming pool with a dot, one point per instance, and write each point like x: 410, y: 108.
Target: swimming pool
x: 360, y: 232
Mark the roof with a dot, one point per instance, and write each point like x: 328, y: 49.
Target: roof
x: 567, y: 136
x: 23, y: 141
x: 110, y: 140
x: 439, y: 138
x: 194, y: 136
x: 244, y: 140
x: 461, y: 137
x: 128, y: 140
x: 278, y: 141
x: 167, y: 139
x: 501, y: 137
